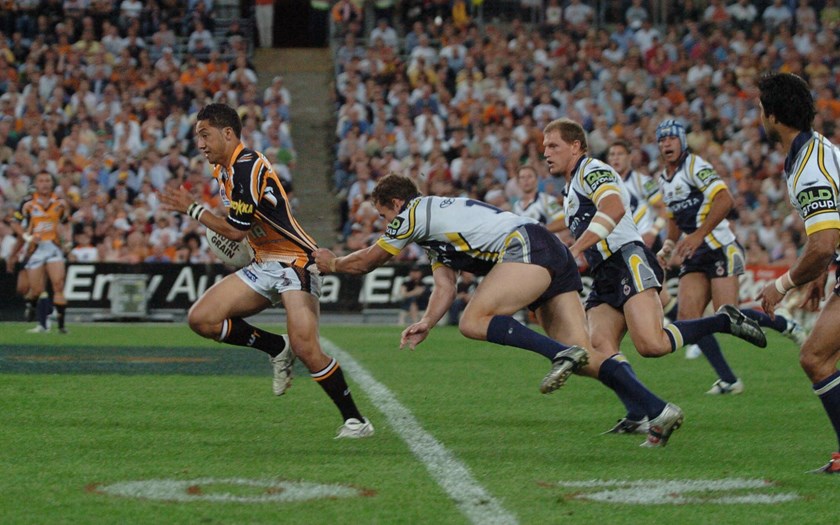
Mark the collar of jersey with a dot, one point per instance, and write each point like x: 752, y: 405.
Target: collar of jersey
x: 233, y: 157
x: 572, y: 176
x: 798, y: 143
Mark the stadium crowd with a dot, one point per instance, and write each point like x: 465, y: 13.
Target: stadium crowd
x: 459, y: 106
x: 103, y: 95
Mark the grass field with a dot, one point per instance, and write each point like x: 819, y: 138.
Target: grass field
x: 151, y: 424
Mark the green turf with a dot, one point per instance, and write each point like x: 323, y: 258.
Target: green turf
x: 108, y: 404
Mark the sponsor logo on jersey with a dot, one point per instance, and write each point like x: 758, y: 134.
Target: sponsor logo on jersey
x: 684, y: 205
x: 651, y: 187
x: 446, y: 203
x: 598, y: 177
x: 707, y: 175
x: 394, y: 226
x: 249, y: 274
x: 815, y: 199
x: 242, y: 208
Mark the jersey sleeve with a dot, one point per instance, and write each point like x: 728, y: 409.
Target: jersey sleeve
x: 599, y: 182
x: 707, y: 180
x: 817, y: 198
x: 650, y: 190
x: 407, y: 227
x: 553, y: 209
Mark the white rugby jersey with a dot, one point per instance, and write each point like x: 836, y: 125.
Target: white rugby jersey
x: 544, y: 208
x: 591, y: 181
x: 812, y: 170
x: 644, y: 191
x: 688, y: 196
x: 463, y: 234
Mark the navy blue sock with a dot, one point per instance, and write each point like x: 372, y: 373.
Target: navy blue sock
x: 617, y: 374
x: 682, y: 333
x: 42, y: 310
x: 505, y: 330
x: 829, y: 392
x: 779, y: 325
x: 711, y: 349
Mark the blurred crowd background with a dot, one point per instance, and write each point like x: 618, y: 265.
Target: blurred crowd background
x: 103, y: 94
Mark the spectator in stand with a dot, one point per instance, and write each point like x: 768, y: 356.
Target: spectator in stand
x: 777, y: 14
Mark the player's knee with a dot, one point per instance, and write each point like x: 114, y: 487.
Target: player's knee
x: 472, y: 327
x: 652, y: 348
x: 200, y: 325
x: 814, y: 366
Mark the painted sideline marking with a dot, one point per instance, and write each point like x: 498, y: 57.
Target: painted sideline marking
x: 276, y: 491
x: 450, y: 473
x: 673, y: 491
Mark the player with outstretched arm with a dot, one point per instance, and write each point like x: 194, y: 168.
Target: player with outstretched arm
x: 282, y: 269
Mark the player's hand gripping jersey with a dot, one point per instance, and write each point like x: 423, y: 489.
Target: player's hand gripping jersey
x: 591, y: 181
x: 463, y: 234
x: 688, y: 196
x: 813, y: 177
x: 257, y: 203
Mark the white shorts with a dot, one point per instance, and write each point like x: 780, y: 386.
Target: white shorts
x: 271, y: 279
x: 46, y: 252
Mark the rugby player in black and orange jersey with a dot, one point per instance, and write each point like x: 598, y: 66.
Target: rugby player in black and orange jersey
x: 42, y: 223
x: 282, y: 268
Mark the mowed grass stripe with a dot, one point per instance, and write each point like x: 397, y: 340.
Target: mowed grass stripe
x: 450, y: 473
x: 131, y: 360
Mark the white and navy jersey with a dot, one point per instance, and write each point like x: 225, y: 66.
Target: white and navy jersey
x: 544, y: 208
x: 812, y: 170
x: 462, y: 234
x: 644, y: 191
x: 688, y: 196
x: 592, y: 180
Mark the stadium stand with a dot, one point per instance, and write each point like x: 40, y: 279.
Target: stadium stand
x: 106, y: 102
x: 460, y: 100
x: 454, y: 94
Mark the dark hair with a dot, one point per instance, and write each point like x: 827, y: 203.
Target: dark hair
x: 394, y: 186
x: 788, y: 98
x: 620, y: 143
x: 221, y: 116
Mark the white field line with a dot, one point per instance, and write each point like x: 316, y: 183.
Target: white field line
x: 450, y: 473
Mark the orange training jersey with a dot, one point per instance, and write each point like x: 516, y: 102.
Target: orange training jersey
x: 257, y: 203
x: 41, y: 219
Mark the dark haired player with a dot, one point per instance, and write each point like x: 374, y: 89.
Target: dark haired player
x: 282, y: 269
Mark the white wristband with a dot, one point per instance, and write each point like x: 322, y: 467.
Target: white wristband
x: 606, y: 218
x: 784, y: 283
x: 598, y: 229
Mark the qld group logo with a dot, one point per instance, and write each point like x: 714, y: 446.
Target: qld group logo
x: 728, y: 491
x: 228, y: 490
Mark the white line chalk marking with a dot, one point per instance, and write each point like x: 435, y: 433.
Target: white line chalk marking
x: 450, y: 473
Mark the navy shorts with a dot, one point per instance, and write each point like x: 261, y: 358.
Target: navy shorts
x: 629, y: 271
x: 534, y: 244
x: 726, y: 261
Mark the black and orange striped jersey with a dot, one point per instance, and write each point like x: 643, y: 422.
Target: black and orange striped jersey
x: 41, y: 217
x: 256, y: 203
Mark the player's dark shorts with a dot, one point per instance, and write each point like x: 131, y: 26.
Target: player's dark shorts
x: 534, y: 244
x: 837, y: 281
x: 629, y: 271
x: 723, y: 262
